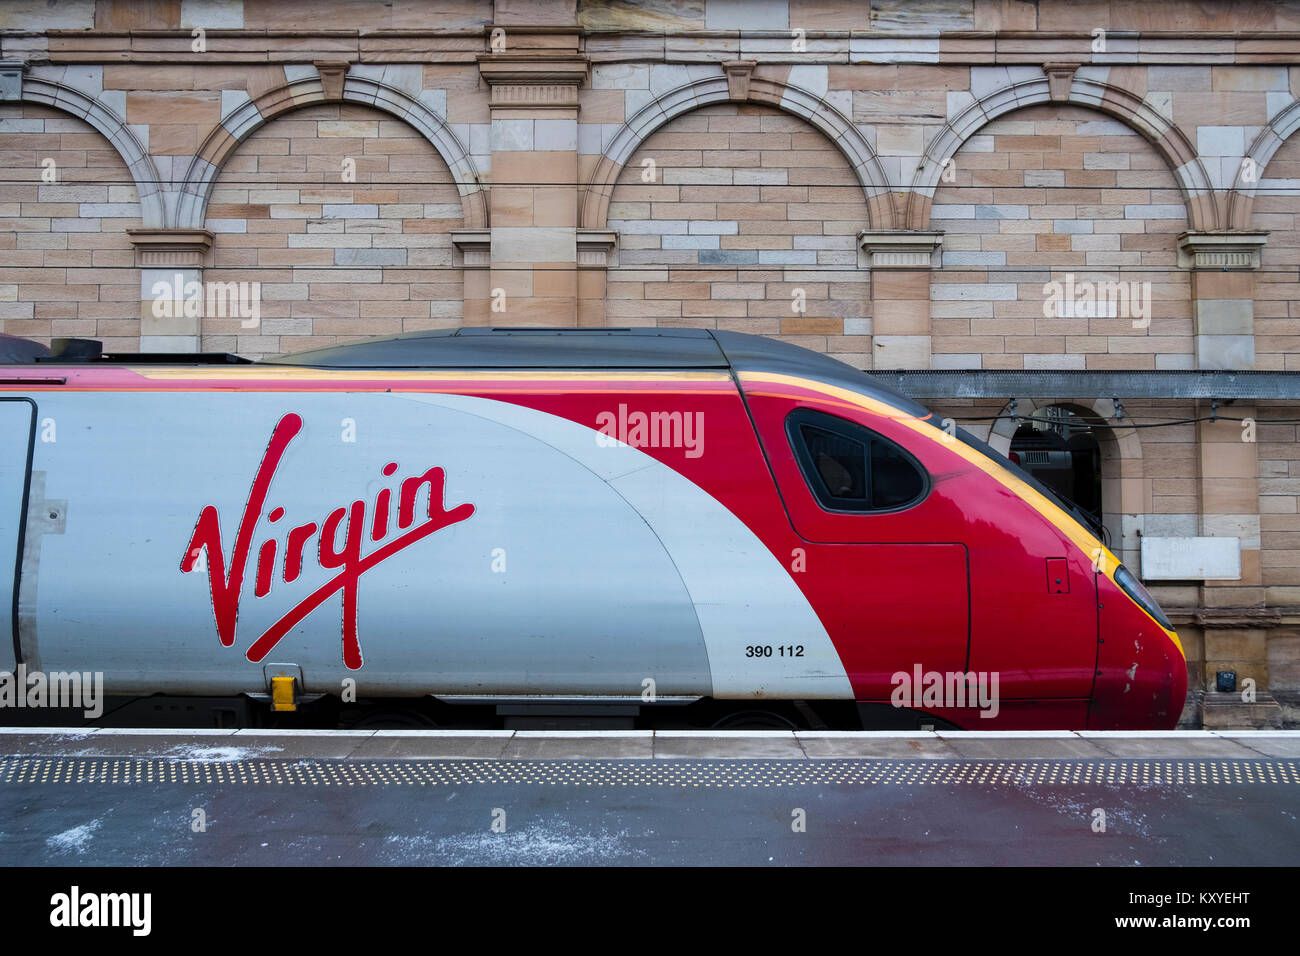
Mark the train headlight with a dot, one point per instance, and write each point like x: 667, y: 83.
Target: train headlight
x: 1131, y: 586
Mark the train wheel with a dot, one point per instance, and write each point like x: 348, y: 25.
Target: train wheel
x: 755, y: 720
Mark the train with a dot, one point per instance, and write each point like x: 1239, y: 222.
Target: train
x: 524, y: 527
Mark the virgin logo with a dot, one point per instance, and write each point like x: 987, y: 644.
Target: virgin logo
x: 227, y: 585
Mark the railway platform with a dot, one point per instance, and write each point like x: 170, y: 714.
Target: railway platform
x: 115, y: 797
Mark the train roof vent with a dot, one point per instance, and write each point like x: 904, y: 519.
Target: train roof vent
x: 522, y: 348
x: 75, y: 350
x: 15, y: 350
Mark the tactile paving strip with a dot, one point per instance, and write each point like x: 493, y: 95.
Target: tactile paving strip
x: 755, y: 774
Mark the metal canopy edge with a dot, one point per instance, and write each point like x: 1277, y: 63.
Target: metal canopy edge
x: 931, y: 384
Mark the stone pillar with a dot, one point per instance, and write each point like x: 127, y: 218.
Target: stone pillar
x: 171, y: 287
x: 1229, y: 478
x: 475, y: 246
x: 534, y: 199
x: 900, y: 263
x: 594, y: 247
x: 1223, y: 289
x: 1232, y: 611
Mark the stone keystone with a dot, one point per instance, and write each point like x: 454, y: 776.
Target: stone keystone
x: 738, y: 74
x: 1060, y: 76
x: 331, y: 73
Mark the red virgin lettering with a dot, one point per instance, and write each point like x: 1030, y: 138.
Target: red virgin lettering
x: 266, y: 559
x: 207, y: 535
x: 298, y: 539
x: 342, y: 534
x: 265, y: 565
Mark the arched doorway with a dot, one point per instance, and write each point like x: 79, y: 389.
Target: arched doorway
x: 1060, y: 447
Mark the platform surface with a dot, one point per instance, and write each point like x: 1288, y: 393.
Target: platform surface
x: 223, y: 797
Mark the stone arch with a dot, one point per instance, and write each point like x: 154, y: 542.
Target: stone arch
x: 334, y: 260
x: 708, y: 90
x: 691, y: 241
x: 1121, y: 451
x: 1241, y: 200
x: 308, y: 90
x: 70, y: 232
x: 1027, y: 87
x: 37, y: 87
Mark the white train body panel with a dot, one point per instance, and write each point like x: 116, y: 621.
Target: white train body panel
x: 582, y: 569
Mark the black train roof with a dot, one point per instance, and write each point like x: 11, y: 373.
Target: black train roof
x: 624, y: 348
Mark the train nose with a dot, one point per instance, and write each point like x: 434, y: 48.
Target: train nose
x: 1141, y: 683
x: 1141, y: 680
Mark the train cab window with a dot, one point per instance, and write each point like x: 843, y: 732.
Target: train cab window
x: 851, y: 468
x: 841, y: 462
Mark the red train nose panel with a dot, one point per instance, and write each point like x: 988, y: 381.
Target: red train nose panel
x: 1141, y: 675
